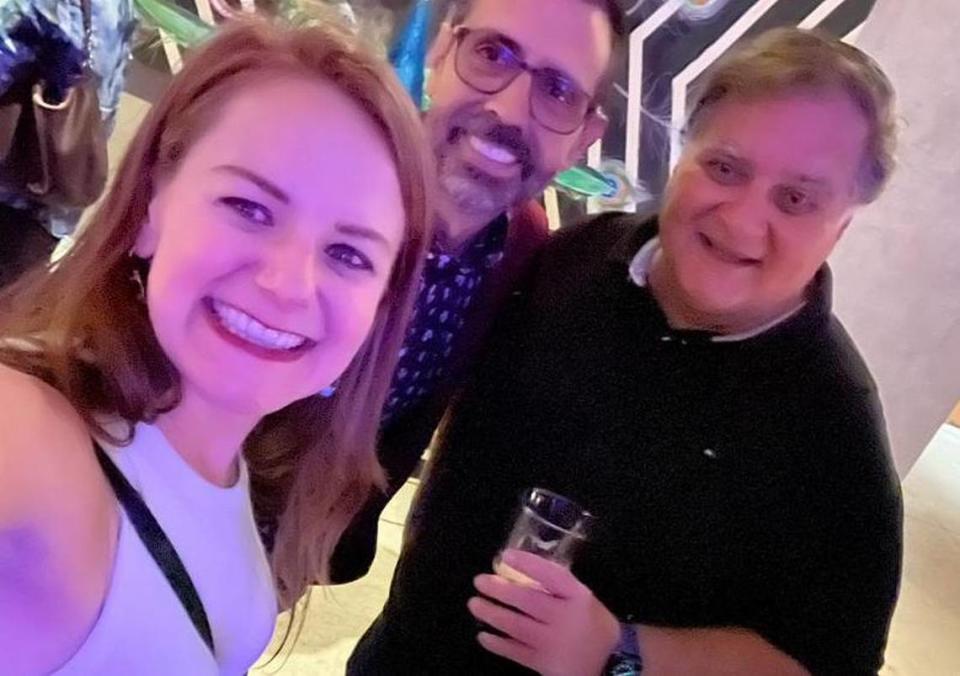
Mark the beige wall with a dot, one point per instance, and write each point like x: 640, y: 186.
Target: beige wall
x: 898, y: 269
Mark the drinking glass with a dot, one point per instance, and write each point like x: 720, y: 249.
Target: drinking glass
x: 548, y: 525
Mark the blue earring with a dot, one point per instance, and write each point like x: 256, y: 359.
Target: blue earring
x: 329, y: 390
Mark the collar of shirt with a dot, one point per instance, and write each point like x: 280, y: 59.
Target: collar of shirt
x: 484, y: 251
x: 447, y: 289
x: 639, y: 270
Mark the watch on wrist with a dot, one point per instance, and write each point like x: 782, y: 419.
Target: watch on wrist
x: 625, y: 659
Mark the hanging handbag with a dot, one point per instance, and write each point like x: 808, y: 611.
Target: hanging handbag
x: 55, y: 154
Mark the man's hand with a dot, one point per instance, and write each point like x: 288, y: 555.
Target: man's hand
x: 560, y: 629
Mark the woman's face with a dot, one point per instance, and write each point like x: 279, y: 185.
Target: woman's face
x: 272, y: 244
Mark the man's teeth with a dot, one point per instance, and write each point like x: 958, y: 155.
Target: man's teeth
x: 492, y: 151
x: 244, y: 326
x: 730, y: 255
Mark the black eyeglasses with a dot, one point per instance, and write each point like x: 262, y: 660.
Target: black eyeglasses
x: 488, y: 62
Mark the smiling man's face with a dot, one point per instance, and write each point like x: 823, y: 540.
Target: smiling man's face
x: 757, y: 202
x: 491, y: 151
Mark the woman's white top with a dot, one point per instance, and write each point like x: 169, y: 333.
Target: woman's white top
x: 142, y: 628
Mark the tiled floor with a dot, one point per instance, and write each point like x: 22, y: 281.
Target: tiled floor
x: 924, y: 639
x: 337, y: 616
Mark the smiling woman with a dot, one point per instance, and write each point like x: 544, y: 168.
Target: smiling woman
x: 246, y: 257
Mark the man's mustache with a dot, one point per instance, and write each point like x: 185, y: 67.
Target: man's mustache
x: 507, y: 136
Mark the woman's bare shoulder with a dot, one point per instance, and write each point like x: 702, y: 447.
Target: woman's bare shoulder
x: 47, y: 466
x: 57, y: 513
x: 49, y: 475
x: 42, y: 438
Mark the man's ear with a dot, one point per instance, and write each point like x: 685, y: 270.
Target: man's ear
x: 590, y: 132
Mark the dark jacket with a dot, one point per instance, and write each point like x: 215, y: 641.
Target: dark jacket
x: 404, y: 440
x: 735, y: 483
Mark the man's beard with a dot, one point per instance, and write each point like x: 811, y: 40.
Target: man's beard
x: 471, y: 190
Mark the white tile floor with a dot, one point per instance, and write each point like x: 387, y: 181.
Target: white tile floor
x: 337, y: 616
x: 925, y: 636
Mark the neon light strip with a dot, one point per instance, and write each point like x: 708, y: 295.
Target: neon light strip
x: 635, y: 85
x: 682, y: 81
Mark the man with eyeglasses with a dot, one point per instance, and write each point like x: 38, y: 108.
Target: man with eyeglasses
x: 515, y: 98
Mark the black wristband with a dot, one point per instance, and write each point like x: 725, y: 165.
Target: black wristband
x: 625, y: 660
x: 620, y: 664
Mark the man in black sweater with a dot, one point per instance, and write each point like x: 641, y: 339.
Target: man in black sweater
x: 684, y: 379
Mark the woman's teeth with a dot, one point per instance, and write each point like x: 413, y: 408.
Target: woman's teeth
x: 244, y: 326
x: 492, y: 151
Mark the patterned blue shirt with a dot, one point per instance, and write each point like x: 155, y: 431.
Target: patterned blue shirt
x: 447, y: 290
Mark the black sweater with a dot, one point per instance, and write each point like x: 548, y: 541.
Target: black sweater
x: 736, y: 484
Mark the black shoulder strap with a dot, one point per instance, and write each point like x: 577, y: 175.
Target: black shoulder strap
x: 159, y: 546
